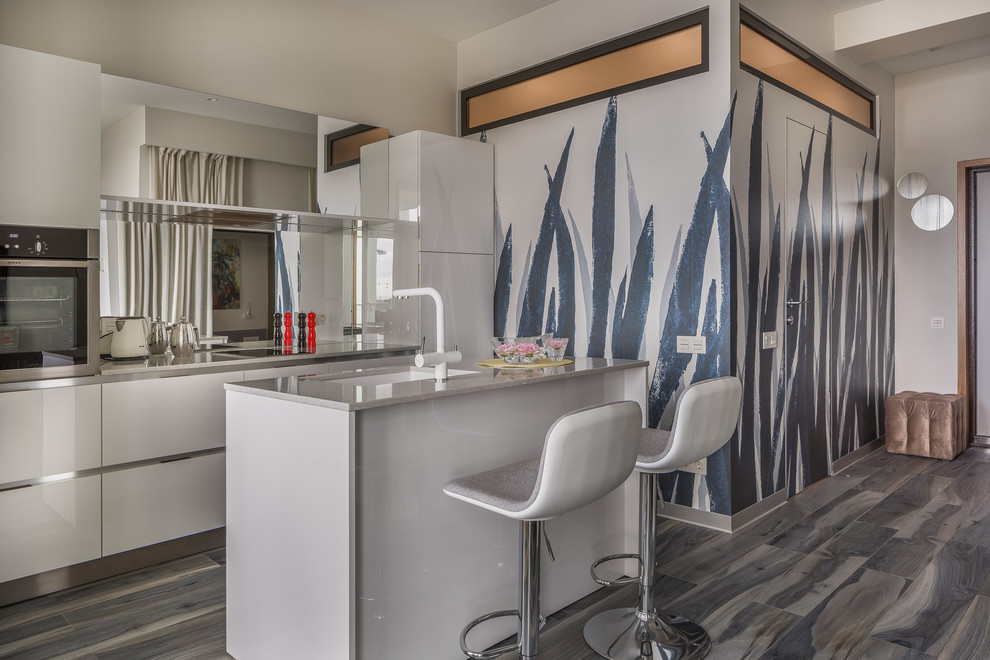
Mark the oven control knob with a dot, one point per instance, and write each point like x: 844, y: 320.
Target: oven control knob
x: 37, y: 247
x: 16, y: 246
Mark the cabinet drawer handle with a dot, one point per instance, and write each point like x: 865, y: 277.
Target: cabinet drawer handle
x: 175, y: 460
x: 5, y: 490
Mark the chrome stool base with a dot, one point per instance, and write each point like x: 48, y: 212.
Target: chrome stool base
x: 622, y: 635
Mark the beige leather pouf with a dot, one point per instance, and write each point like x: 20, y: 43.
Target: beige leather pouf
x: 926, y: 424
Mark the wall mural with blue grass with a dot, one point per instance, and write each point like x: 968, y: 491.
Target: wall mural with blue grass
x: 815, y: 265
x: 804, y: 221
x: 577, y: 255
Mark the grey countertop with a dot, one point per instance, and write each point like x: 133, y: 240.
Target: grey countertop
x: 220, y: 360
x: 357, y: 390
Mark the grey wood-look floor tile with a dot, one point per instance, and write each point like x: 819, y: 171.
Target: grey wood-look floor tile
x: 894, y: 473
x: 826, y: 490
x: 735, y: 583
x: 872, y: 648
x: 900, y: 506
x: 971, y: 638
x: 749, y: 632
x: 105, y: 626
x: 202, y: 638
x: 722, y: 551
x: 676, y: 539
x: 958, y: 465
x: 826, y: 522
x: 969, y: 488
x: 925, y: 616
x: 879, y: 458
x: 817, y: 575
x: 219, y: 555
x: 936, y: 520
x: 839, y: 623
x: 43, y: 607
x: 31, y: 634
x: 906, y: 557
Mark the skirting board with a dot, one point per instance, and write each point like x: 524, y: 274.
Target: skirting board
x: 737, y: 521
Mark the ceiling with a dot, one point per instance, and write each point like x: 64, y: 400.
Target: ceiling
x: 899, y: 35
x: 454, y: 20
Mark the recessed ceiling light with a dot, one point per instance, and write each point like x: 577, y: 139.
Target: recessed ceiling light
x: 211, y: 98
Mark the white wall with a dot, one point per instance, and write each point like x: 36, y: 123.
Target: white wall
x: 317, y: 57
x: 120, y: 156
x: 941, y: 119
x: 271, y: 185
x: 168, y: 128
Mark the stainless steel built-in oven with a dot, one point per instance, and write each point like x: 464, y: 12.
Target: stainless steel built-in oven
x: 49, y: 302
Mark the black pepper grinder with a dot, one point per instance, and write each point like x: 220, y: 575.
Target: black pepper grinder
x: 301, y: 316
x: 277, y: 336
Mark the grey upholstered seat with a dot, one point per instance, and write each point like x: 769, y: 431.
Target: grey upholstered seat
x: 587, y: 454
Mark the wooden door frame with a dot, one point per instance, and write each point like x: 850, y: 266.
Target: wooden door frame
x: 966, y: 243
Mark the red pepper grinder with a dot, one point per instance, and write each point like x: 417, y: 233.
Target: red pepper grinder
x: 287, y: 332
x: 311, y: 335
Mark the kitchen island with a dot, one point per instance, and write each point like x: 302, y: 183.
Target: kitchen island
x: 340, y: 541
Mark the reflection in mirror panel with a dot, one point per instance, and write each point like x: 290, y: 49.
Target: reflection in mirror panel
x: 932, y: 212
x: 912, y: 185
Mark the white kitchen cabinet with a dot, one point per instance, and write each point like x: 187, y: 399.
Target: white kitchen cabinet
x: 50, y: 137
x: 49, y: 431
x: 155, y: 503
x: 47, y: 526
x: 440, y: 192
x: 163, y: 416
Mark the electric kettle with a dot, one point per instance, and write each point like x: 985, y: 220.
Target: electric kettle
x: 130, y: 337
x: 184, y: 338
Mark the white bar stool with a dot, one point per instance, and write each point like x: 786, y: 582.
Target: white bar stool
x: 587, y: 454
x: 704, y: 419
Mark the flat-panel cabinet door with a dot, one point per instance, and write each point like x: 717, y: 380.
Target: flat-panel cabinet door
x: 163, y: 416
x: 160, y: 502
x: 49, y: 431
x: 49, y: 526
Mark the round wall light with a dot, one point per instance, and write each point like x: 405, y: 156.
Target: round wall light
x: 931, y: 212
x: 912, y: 185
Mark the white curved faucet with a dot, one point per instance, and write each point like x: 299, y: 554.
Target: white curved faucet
x: 442, y: 356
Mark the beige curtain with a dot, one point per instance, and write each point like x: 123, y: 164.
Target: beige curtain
x: 181, y: 175
x: 165, y: 270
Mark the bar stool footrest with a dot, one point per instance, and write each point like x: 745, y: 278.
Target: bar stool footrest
x: 619, y: 581
x: 494, y: 652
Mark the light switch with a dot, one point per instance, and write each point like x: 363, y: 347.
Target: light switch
x: 770, y: 339
x: 938, y: 323
x: 683, y: 344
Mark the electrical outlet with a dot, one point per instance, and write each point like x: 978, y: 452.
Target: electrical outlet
x: 106, y: 324
x: 322, y: 319
x: 691, y: 344
x: 938, y: 323
x: 770, y: 339
x: 698, y: 467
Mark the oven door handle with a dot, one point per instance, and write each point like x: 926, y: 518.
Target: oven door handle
x: 47, y: 263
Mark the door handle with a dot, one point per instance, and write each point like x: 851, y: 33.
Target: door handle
x: 794, y: 303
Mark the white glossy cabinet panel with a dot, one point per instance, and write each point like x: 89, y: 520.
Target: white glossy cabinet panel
x: 49, y: 431
x: 156, y: 503
x: 163, y: 416
x: 50, y: 137
x: 48, y: 526
x: 456, y: 194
